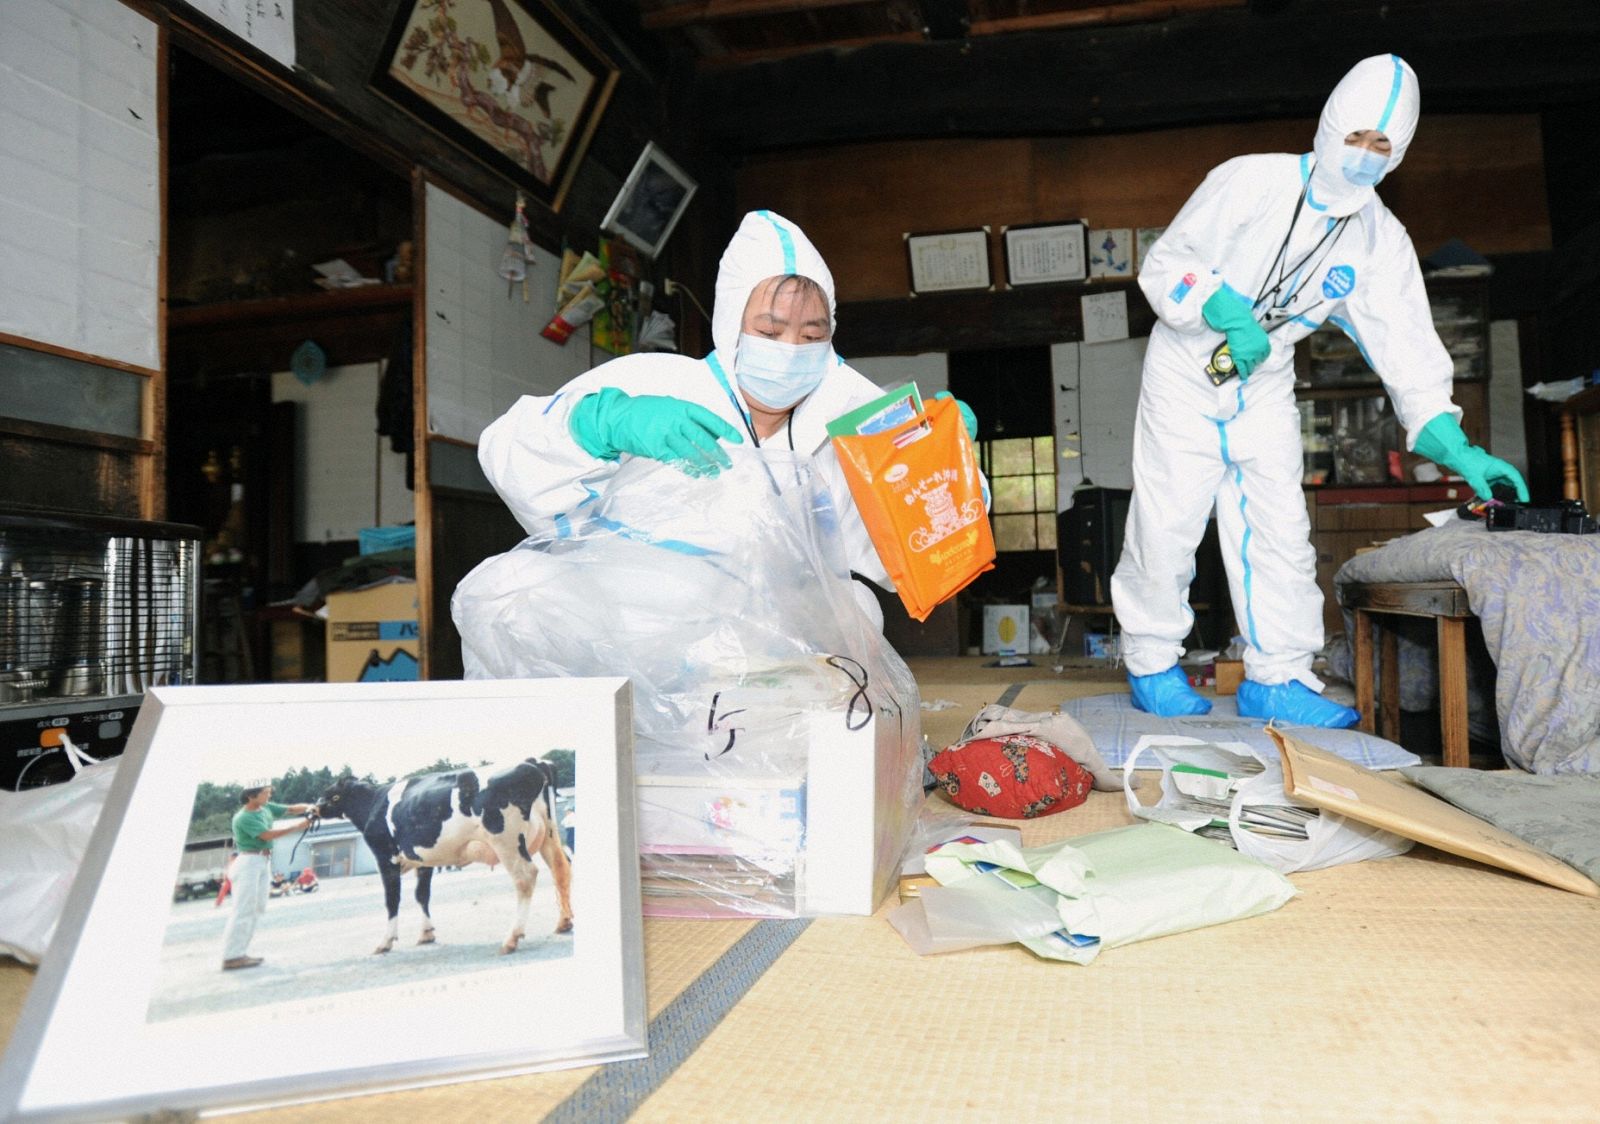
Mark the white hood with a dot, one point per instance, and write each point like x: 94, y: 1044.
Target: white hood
x: 1380, y: 93
x: 765, y: 245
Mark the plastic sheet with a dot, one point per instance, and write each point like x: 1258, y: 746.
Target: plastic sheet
x: 44, y: 833
x: 1108, y: 889
x: 777, y: 733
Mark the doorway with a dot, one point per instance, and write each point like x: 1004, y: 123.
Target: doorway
x: 289, y: 302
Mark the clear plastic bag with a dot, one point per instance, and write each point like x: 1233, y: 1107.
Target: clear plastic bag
x: 776, y: 732
x: 43, y: 835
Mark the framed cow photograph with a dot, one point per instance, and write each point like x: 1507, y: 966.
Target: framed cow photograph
x: 382, y: 879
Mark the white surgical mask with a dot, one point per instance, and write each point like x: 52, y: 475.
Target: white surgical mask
x: 1362, y: 166
x: 780, y: 374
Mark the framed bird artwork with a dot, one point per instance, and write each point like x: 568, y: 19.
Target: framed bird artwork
x: 513, y: 82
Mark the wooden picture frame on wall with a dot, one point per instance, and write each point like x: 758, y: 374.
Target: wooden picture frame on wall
x: 948, y: 261
x: 513, y: 82
x: 1045, y: 253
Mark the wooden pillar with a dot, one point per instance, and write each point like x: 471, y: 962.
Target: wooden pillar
x: 1453, y: 691
x: 1569, y: 457
x: 1363, y: 669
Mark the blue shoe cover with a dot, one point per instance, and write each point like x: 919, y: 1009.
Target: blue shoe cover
x: 1293, y: 703
x: 1167, y: 694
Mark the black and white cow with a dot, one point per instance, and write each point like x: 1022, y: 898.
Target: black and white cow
x: 488, y: 815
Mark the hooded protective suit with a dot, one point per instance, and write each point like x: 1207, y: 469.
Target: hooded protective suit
x: 545, y: 476
x: 1302, y: 244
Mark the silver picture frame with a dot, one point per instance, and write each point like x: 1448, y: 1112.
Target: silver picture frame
x: 650, y: 203
x: 324, y: 1016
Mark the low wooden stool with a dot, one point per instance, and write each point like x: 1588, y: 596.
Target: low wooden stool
x: 1446, y: 602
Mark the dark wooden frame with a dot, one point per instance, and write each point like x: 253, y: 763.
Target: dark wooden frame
x: 912, y: 237
x: 473, y: 137
x: 1083, y: 252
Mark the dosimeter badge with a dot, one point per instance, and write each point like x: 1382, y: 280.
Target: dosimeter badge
x: 1221, y: 367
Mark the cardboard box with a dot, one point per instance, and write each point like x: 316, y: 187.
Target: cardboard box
x: 373, y: 634
x: 1005, y: 629
x: 1099, y: 645
x: 1230, y: 673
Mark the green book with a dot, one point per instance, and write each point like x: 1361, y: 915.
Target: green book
x: 896, y: 407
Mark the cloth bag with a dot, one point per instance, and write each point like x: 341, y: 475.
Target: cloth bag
x: 1330, y: 839
x: 44, y: 833
x: 920, y: 495
x: 1060, y: 730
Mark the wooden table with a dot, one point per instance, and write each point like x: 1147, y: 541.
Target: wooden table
x: 1446, y: 602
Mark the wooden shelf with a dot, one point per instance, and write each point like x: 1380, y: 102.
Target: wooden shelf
x: 1364, y: 389
x: 1583, y: 402
x: 299, y: 306
x: 350, y: 325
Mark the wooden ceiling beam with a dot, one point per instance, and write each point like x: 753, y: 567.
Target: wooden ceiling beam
x: 1484, y: 56
x: 734, y: 59
x: 1134, y: 11
x: 710, y: 11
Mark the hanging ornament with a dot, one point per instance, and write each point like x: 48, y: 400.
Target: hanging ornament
x: 518, y: 254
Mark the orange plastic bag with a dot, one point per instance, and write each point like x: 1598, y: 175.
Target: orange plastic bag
x: 920, y: 494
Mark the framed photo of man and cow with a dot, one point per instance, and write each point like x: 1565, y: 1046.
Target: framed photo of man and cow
x: 406, y: 889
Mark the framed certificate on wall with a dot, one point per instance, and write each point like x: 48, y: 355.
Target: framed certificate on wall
x: 1037, y: 255
x: 949, y: 260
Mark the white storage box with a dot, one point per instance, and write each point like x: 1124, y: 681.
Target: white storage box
x: 824, y: 838
x: 1005, y: 629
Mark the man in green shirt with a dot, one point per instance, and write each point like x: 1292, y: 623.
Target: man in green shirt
x: 253, y: 834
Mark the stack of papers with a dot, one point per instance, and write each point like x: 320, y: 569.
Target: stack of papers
x: 1208, y: 792
x: 340, y: 274
x: 656, y: 333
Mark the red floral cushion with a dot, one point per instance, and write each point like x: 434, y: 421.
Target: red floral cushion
x: 1015, y: 777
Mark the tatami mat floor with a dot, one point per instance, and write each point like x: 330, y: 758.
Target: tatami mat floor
x: 1419, y: 988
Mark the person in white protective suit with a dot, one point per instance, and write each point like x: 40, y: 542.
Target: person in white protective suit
x: 1269, y: 248
x: 773, y: 376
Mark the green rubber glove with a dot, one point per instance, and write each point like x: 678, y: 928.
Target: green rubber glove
x: 967, y: 415
x: 1442, y: 442
x: 1231, y: 314
x: 665, y: 429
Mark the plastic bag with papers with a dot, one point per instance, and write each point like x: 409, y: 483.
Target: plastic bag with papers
x: 1234, y: 793
x: 1073, y: 899
x: 43, y: 835
x: 777, y: 733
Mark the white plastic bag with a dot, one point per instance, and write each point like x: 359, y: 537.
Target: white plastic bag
x: 43, y: 835
x: 777, y: 734
x: 1107, y: 889
x: 1330, y: 839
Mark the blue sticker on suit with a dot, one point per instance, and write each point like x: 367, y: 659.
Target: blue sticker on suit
x: 1339, y: 281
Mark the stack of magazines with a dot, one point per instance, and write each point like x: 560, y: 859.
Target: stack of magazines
x: 1209, y: 792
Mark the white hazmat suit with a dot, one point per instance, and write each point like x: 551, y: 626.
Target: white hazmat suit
x: 1305, y: 246
x: 547, y: 478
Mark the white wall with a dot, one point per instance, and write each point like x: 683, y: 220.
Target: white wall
x: 1096, y: 388
x: 346, y: 477
x: 1508, y: 439
x: 484, y: 349
x: 930, y: 370
x: 79, y: 177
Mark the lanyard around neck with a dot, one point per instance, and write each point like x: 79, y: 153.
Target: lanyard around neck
x: 727, y: 388
x: 1297, y: 274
